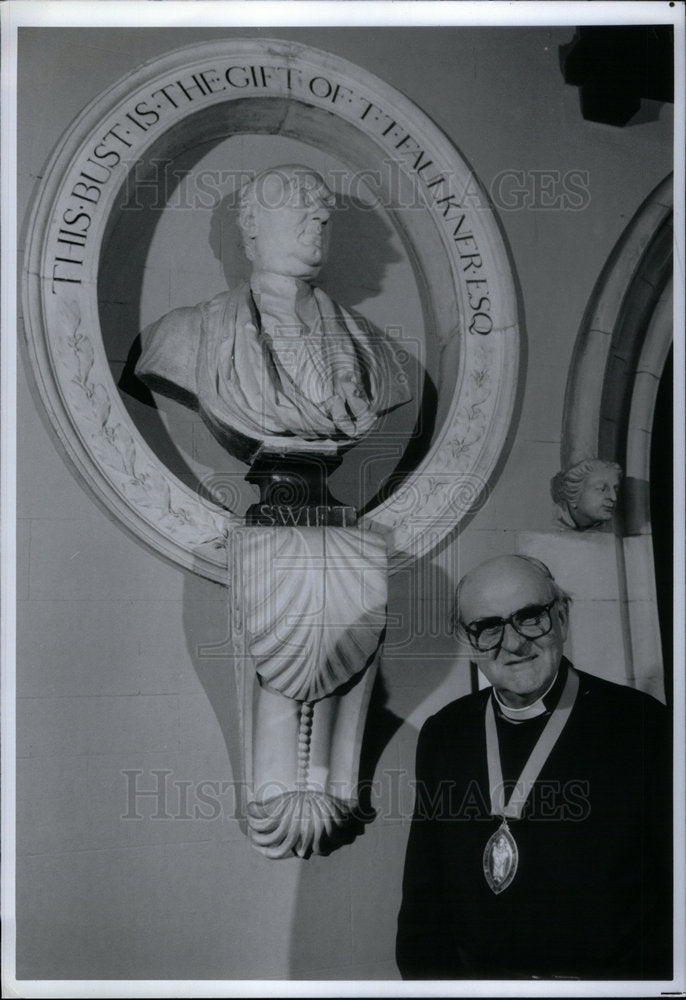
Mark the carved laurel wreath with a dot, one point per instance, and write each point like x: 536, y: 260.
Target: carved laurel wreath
x: 114, y: 446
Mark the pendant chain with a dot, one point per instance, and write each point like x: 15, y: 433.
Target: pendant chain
x: 501, y: 855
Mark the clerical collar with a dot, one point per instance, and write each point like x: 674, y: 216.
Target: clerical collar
x: 545, y: 704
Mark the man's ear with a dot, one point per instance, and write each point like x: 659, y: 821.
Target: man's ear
x: 563, y: 614
x: 461, y: 635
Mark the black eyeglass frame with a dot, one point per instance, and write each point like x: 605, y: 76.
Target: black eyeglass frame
x: 473, y: 634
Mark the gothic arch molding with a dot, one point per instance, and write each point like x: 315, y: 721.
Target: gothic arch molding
x: 618, y: 361
x: 620, y: 354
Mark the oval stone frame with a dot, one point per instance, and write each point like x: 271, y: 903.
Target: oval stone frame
x: 210, y: 91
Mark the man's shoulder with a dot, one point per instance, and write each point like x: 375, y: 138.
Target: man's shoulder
x: 618, y: 697
x: 618, y: 722
x: 462, y: 711
x: 602, y: 695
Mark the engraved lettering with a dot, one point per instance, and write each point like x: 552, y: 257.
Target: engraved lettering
x: 468, y: 237
x: 471, y: 258
x: 72, y: 238
x: 366, y: 110
x: 80, y: 190
x: 113, y: 132
x: 267, y: 514
x: 328, y: 87
x: 450, y: 203
x: 484, y: 301
x: 58, y: 277
x: 143, y: 111
x: 481, y: 323
x: 389, y: 128
x: 436, y: 181
x: 71, y: 219
x: 195, y: 85
x: 458, y: 227
x: 340, y: 89
x: 163, y: 91
x: 143, y: 128
x: 245, y: 82
x: 108, y: 153
x: 209, y: 83
x: 98, y: 166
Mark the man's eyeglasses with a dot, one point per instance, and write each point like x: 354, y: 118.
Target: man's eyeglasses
x: 531, y: 623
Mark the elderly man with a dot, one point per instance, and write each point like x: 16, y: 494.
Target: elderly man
x: 540, y: 845
x: 276, y: 358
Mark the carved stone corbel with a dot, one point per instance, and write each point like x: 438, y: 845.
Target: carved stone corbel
x: 308, y: 613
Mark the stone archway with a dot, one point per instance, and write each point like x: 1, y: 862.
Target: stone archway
x: 616, y: 368
x: 620, y: 352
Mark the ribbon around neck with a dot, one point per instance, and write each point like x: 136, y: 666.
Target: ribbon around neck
x: 537, y: 758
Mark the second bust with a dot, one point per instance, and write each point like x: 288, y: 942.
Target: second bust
x: 276, y: 362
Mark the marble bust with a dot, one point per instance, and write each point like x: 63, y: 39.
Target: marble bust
x: 586, y: 493
x: 275, y: 362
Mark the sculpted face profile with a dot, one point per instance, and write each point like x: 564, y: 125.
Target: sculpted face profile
x: 587, y: 493
x: 284, y: 216
x: 275, y: 362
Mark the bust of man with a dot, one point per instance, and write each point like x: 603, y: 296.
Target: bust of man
x: 275, y: 362
x: 586, y: 493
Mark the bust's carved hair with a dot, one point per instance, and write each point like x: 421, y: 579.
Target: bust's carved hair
x: 566, y: 486
x: 294, y: 178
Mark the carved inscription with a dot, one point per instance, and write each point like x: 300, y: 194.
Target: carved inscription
x: 276, y: 515
x: 122, y: 141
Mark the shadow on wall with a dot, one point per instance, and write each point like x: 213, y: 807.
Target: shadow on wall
x: 344, y: 920
x: 207, y: 630
x: 125, y: 256
x: 347, y: 901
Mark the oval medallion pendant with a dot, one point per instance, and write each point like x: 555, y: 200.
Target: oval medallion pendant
x: 500, y: 858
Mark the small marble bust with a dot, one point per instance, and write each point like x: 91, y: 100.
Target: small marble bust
x: 586, y: 493
x: 275, y: 362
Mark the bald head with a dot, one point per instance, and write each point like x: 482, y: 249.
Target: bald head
x: 503, y: 579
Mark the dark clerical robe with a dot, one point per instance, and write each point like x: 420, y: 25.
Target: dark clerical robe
x: 591, y: 898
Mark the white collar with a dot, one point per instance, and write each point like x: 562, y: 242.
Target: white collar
x: 528, y: 711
